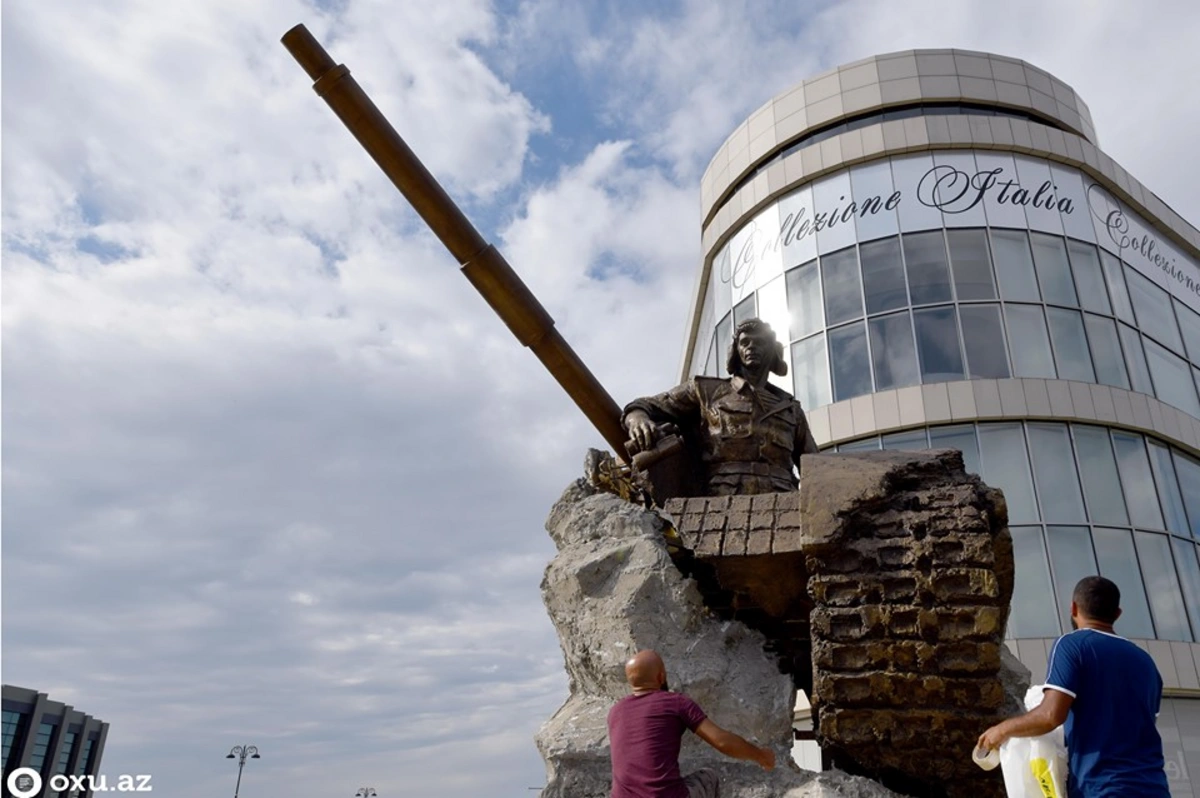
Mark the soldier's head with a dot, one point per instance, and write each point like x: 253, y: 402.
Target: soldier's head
x: 754, y: 346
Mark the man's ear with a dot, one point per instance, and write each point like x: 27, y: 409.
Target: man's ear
x: 1118, y: 615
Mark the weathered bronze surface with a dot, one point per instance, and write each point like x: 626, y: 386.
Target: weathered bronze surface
x: 481, y: 263
x: 745, y: 434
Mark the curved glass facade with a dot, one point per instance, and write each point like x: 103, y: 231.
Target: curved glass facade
x: 948, y: 287
x: 1084, y: 499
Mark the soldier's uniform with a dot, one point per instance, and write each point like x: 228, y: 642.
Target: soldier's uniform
x: 749, y: 438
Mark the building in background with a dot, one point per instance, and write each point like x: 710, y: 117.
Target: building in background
x: 51, y: 737
x: 955, y: 263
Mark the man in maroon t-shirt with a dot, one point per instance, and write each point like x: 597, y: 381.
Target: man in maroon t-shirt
x: 645, y: 731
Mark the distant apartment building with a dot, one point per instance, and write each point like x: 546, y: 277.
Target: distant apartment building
x: 50, y: 737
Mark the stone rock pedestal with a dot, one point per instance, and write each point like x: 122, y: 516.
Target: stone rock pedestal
x: 881, y: 588
x: 613, y: 589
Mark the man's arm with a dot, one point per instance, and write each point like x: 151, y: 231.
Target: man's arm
x: 732, y: 745
x: 1045, y: 717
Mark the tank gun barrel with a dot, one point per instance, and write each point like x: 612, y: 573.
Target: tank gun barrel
x: 482, y: 264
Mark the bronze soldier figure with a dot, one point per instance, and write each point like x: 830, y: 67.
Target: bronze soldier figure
x: 749, y: 433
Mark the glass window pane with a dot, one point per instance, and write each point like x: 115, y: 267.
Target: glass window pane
x: 1089, y: 277
x: 893, y: 351
x: 848, y: 356
x: 843, y: 293
x: 971, y: 264
x: 743, y: 310
x: 1135, y: 359
x: 1189, y: 577
x: 865, y: 445
x: 1053, y: 270
x: 1054, y: 473
x: 1014, y: 266
x: 1168, y: 488
x: 937, y: 344
x: 1140, y: 495
x: 1188, y: 471
x: 1032, y: 597
x: 810, y: 368
x: 1098, y: 468
x: 1106, y: 351
x: 928, y: 268
x: 1172, y: 376
x: 1118, y: 562
x: 1152, y: 305
x: 1189, y: 324
x: 883, y: 275
x: 1070, y: 560
x: 804, y: 300
x: 724, y: 338
x: 1162, y: 585
x: 1006, y: 466
x: 1070, y: 345
x: 710, y: 362
x: 911, y: 441
x: 961, y: 437
x: 1114, y: 276
x: 1029, y: 341
x: 983, y: 336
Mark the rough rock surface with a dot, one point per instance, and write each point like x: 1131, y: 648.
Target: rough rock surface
x: 612, y: 590
x: 911, y: 573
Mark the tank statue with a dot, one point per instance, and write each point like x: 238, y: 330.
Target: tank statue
x: 750, y: 434
x: 882, y: 584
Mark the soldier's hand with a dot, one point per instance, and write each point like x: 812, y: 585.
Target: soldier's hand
x: 642, y: 431
x: 766, y: 758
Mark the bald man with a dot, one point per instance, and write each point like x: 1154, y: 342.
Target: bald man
x: 645, y: 731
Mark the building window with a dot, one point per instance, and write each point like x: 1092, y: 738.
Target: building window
x: 41, y: 743
x: 1014, y: 266
x: 883, y: 275
x: 1029, y: 341
x: 938, y: 344
x: 928, y: 269
x: 13, y: 727
x: 893, y: 351
x: 843, y: 291
x: 1053, y: 270
x: 848, y: 357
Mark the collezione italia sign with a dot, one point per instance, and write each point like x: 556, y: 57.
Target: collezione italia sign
x: 953, y: 191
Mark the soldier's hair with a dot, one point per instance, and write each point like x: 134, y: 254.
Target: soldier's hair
x: 1098, y: 598
x: 733, y: 363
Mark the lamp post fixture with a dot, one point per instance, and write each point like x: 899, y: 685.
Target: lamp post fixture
x: 365, y: 792
x: 240, y: 752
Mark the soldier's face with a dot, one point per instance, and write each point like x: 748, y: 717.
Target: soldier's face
x: 754, y: 348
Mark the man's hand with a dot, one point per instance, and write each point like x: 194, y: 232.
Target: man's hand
x: 992, y: 739
x: 642, y: 431
x: 766, y: 758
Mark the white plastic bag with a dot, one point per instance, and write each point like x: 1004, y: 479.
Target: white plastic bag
x: 1035, y: 767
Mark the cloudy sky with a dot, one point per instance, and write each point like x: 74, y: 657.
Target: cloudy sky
x: 272, y: 472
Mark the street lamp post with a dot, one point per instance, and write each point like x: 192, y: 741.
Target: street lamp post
x: 365, y: 792
x: 240, y: 752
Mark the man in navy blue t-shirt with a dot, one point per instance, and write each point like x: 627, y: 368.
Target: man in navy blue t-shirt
x: 1108, y: 691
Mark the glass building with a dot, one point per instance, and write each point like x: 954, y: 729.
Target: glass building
x: 52, y: 738
x: 954, y: 263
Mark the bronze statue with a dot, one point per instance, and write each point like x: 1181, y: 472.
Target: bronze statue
x: 748, y: 433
